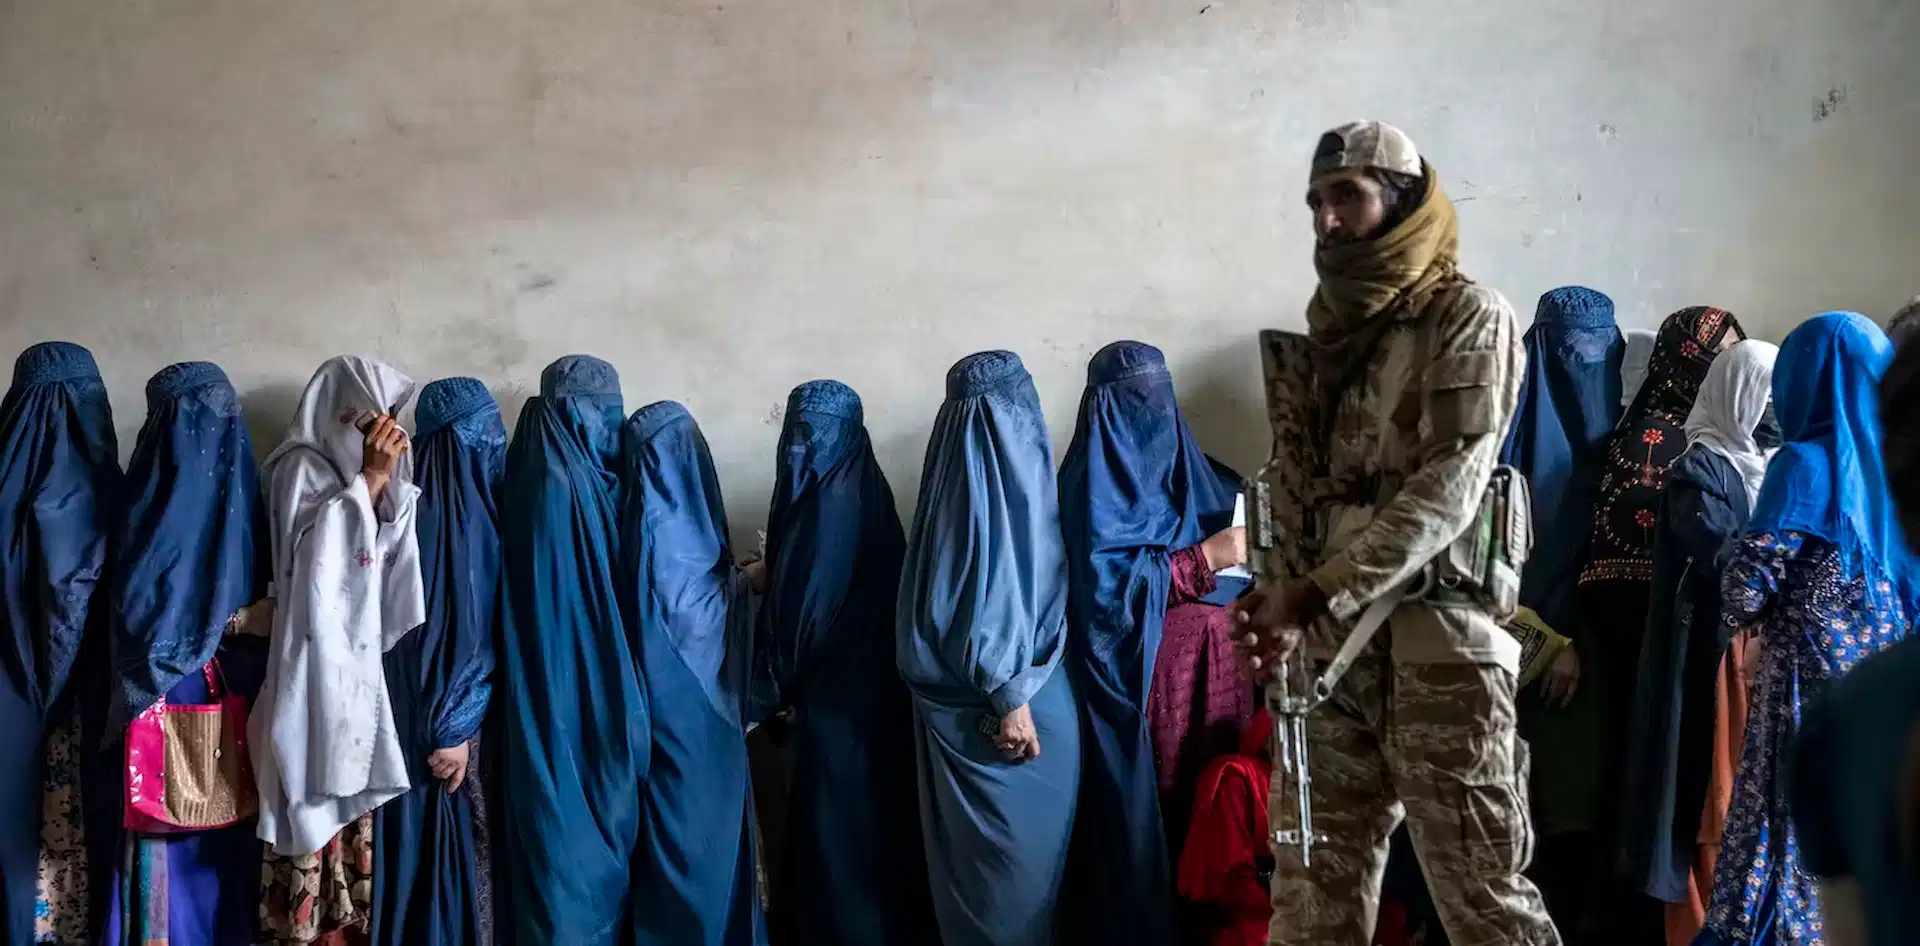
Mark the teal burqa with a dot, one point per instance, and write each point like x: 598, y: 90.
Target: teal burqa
x: 568, y: 735
x: 691, y: 621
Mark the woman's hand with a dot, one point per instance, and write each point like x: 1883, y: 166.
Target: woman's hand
x: 1562, y: 679
x: 253, y: 620
x: 754, y: 566
x: 1226, y: 548
x: 756, y: 576
x: 1017, y: 739
x: 386, y: 443
x: 449, y: 765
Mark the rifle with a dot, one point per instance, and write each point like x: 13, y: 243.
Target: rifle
x: 1280, y: 545
x: 1285, y: 538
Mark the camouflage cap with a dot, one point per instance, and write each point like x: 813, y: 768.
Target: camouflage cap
x: 1366, y: 145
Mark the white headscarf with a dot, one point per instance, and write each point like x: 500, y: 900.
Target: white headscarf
x: 340, y: 391
x: 347, y: 585
x: 1732, y: 400
x: 1634, y: 361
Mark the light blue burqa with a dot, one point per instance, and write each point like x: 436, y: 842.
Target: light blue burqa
x: 982, y: 625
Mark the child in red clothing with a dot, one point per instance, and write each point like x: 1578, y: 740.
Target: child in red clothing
x: 1227, y: 865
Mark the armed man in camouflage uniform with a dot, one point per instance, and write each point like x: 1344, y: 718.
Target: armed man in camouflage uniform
x: 1416, y: 374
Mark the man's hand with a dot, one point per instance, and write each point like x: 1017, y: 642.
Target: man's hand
x: 1274, y: 619
x: 449, y: 765
x: 1226, y: 548
x: 386, y: 442
x: 1017, y: 739
x: 1562, y: 679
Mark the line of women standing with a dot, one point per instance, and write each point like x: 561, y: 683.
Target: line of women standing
x: 597, y: 640
x: 185, y: 549
x: 1722, y: 586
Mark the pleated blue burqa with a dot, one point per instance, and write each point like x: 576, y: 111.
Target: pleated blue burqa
x: 188, y: 555
x: 59, y: 473
x: 690, y: 617
x: 1134, y: 489
x: 982, y: 627
x: 425, y: 866
x: 854, y: 871
x: 568, y: 731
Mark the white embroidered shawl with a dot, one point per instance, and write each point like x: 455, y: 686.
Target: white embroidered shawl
x: 348, y: 587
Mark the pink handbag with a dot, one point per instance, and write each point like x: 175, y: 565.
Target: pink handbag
x: 187, y: 767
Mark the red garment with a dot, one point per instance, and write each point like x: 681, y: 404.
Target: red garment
x: 1221, y: 864
x: 1391, y: 928
x: 1729, y: 740
x: 1197, y: 703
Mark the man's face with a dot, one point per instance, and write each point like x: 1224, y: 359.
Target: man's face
x: 1347, y: 207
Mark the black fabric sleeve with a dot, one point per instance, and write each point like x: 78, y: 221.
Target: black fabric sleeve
x: 1703, y: 521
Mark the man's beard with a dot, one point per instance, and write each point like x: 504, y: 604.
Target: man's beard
x: 1346, y: 239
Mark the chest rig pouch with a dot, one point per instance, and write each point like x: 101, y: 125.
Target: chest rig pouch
x: 1484, y: 564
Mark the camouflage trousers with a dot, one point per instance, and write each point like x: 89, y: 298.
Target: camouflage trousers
x: 1435, y: 744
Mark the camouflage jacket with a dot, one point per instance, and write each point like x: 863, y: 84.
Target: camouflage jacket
x: 1418, y: 436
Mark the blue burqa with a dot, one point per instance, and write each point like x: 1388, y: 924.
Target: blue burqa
x: 59, y: 477
x: 1569, y: 404
x: 982, y: 626
x: 854, y: 871
x: 1134, y: 489
x: 426, y: 872
x: 688, y: 613
x: 186, y: 558
x: 569, y: 713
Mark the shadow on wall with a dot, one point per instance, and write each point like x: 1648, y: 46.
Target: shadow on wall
x: 268, y: 409
x: 1221, y: 398
x: 512, y: 399
x: 905, y: 483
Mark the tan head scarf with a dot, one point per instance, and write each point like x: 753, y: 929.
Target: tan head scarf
x: 1367, y: 286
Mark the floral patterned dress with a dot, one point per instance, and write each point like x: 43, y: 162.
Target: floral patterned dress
x: 60, y: 907
x: 307, y: 899
x: 1816, y: 622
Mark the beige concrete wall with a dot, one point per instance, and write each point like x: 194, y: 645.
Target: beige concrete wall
x: 725, y: 198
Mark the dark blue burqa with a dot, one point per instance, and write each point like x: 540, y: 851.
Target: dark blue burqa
x: 187, y: 556
x: 855, y: 867
x: 425, y: 880
x: 1134, y: 489
x: 1569, y: 404
x: 982, y: 627
x: 694, y: 877
x: 568, y: 737
x: 59, y: 476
